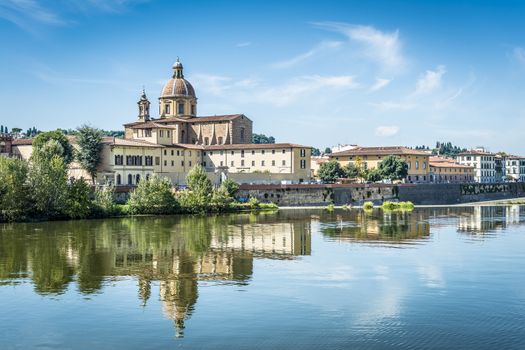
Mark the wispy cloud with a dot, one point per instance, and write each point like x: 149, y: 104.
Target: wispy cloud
x: 379, y: 84
x: 244, y: 44
x: 379, y: 46
x: 392, y: 105
x: 518, y: 53
x: 217, y: 85
x: 23, y: 12
x: 320, y: 48
x: 387, y: 130
x: 430, y: 81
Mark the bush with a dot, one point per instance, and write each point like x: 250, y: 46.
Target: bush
x: 104, y: 201
x: 397, y: 206
x: 331, y: 171
x: 152, y: 196
x: 14, y: 191
x: 368, y: 206
x: 330, y: 207
x: 253, y: 203
x: 79, y: 204
x: 231, y: 187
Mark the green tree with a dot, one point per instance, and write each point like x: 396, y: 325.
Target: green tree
x: 327, y: 150
x: 374, y: 175
x: 104, y: 201
x: 199, y: 182
x: 231, y: 187
x: 14, y: 191
x: 42, y: 141
x: 79, y: 203
x: 89, y: 149
x: 48, y: 186
x: 330, y: 171
x: 152, y: 196
x: 316, y: 152
x: 261, y: 138
x: 351, y: 171
x: 393, y: 168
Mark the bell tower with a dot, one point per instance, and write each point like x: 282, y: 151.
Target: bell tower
x: 143, y: 107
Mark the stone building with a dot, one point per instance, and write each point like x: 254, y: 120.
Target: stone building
x: 447, y: 170
x: 515, y: 168
x: 484, y: 164
x: 370, y: 157
x: 5, y: 144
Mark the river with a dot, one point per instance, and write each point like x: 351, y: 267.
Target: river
x: 433, y: 278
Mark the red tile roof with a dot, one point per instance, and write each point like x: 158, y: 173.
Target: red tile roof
x: 381, y: 151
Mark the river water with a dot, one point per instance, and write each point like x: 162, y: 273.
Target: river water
x: 435, y: 278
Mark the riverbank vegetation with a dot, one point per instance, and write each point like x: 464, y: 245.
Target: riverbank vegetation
x: 391, y: 168
x: 40, y: 189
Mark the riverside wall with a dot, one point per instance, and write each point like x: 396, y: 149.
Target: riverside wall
x: 357, y: 194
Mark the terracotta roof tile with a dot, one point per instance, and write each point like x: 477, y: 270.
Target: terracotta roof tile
x: 382, y: 151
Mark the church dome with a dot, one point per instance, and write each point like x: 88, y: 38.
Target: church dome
x: 177, y: 85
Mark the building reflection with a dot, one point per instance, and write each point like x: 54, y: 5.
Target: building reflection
x: 174, y: 254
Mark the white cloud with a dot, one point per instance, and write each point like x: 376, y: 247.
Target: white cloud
x: 218, y: 85
x: 380, y: 84
x: 391, y: 105
x: 320, y: 48
x: 244, y: 44
x: 382, y: 47
x: 430, y: 81
x: 519, y: 55
x: 387, y: 130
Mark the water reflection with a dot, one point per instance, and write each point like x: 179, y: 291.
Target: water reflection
x: 178, y: 253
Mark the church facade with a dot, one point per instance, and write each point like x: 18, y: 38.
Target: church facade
x: 179, y: 139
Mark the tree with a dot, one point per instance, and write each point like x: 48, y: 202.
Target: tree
x: 330, y: 171
x: 152, y: 196
x: 48, y: 186
x: 104, y: 202
x: 231, y: 187
x: 327, y: 150
x: 89, y: 149
x: 78, y: 204
x: 374, y: 175
x: 14, y: 191
x: 261, y: 138
x: 199, y: 182
x: 351, y: 171
x: 393, y: 168
x: 316, y: 152
x: 43, y: 138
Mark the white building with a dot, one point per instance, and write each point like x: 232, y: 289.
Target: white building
x: 515, y: 168
x: 484, y: 164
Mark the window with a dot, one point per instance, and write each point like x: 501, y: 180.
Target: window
x: 181, y: 108
x: 425, y: 165
x: 222, y: 163
x: 206, y: 141
x: 189, y: 162
x: 284, y: 151
x: 220, y: 140
x: 253, y: 152
x: 161, y: 133
x: 157, y: 160
x: 165, y: 152
x: 149, y: 160
x: 182, y: 163
x: 169, y: 133
x: 303, y: 163
x: 167, y: 109
x: 253, y: 162
x: 211, y: 153
x: 119, y: 180
x: 203, y: 153
x: 262, y: 163
x: 233, y: 152
x: 242, y: 153
x: 193, y: 109
x: 303, y: 152
x: 119, y: 160
x: 417, y: 164
x: 242, y: 134
x: 273, y: 162
x: 172, y: 163
x: 165, y: 163
x: 262, y: 152
x: 273, y: 151
x: 284, y: 162
x: 204, y: 164
x: 232, y: 163
x: 130, y: 179
x: 137, y: 178
x: 242, y: 162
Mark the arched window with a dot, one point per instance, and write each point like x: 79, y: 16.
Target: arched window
x: 119, y: 180
x: 206, y: 141
x: 182, y: 136
x: 167, y: 109
x: 130, y: 179
x: 137, y: 179
x: 147, y: 176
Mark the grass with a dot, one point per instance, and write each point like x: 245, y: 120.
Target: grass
x: 408, y: 206
x: 368, y: 206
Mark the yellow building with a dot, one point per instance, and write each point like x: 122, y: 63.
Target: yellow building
x: 370, y: 157
x: 447, y: 170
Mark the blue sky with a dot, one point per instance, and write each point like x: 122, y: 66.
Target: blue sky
x: 310, y: 72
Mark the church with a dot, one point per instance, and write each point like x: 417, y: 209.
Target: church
x: 178, y: 139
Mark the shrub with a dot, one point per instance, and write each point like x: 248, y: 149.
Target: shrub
x: 104, y: 201
x: 330, y: 171
x: 231, y: 187
x: 253, y: 203
x: 368, y: 206
x: 78, y: 205
x: 152, y: 196
x: 14, y: 191
x: 330, y: 207
x: 397, y: 205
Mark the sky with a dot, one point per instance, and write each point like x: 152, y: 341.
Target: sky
x: 318, y: 73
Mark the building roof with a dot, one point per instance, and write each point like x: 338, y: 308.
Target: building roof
x: 22, y: 142
x: 177, y: 87
x: 130, y: 143
x: 442, y: 162
x: 380, y: 151
x: 250, y: 146
x: 476, y: 152
x: 152, y: 124
x: 204, y: 119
